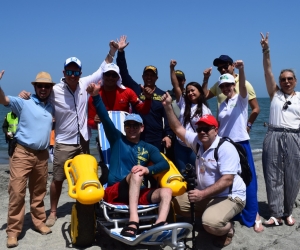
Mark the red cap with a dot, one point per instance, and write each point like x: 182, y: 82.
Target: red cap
x: 209, y: 120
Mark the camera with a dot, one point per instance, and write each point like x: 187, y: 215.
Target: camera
x: 189, y: 175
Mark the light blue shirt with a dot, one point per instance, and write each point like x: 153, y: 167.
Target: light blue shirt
x: 35, y: 121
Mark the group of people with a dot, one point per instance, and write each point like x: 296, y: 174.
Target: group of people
x: 181, y: 122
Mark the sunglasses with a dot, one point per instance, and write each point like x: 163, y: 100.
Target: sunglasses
x: 225, y: 85
x: 286, y: 105
x: 225, y: 66
x: 204, y: 129
x: 134, y: 126
x: 286, y: 78
x: 111, y: 74
x: 71, y: 72
x: 43, y: 86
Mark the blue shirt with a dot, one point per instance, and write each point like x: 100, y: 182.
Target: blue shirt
x: 35, y: 121
x: 125, y: 154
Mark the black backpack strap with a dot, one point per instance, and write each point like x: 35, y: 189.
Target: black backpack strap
x: 216, y: 154
x: 217, y: 148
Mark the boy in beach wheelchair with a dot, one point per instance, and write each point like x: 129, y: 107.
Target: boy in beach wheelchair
x: 84, y: 186
x: 129, y: 159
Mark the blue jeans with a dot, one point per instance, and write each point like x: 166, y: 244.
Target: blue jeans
x: 183, y: 155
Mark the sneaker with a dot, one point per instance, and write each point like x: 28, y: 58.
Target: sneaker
x: 12, y: 242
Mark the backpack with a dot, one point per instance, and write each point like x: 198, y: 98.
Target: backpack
x: 246, y: 174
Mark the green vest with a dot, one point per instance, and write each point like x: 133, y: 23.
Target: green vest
x: 12, y: 123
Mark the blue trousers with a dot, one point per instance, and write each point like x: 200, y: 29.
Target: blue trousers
x: 248, y: 215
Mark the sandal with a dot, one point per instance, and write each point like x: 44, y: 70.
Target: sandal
x: 224, y: 240
x: 257, y: 226
x: 159, y: 224
x: 290, y: 221
x: 276, y: 222
x: 127, y: 228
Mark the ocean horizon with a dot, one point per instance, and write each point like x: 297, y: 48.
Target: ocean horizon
x: 257, y: 133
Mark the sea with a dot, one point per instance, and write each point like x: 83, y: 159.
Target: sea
x: 257, y: 133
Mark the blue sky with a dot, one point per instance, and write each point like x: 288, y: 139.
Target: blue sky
x: 39, y: 35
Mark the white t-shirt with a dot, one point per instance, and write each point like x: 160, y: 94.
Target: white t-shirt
x: 188, y: 126
x: 209, y: 171
x: 233, y: 116
x: 70, y: 109
x: 289, y: 118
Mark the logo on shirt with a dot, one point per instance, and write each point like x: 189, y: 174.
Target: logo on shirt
x: 142, y: 155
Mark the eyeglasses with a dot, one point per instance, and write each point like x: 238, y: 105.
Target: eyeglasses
x: 225, y: 85
x: 71, y: 72
x: 111, y: 74
x: 132, y: 125
x: 225, y: 66
x: 43, y: 86
x: 286, y: 105
x: 286, y: 78
x: 204, y: 129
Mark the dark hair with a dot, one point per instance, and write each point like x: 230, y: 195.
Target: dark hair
x: 201, y: 100
x: 287, y: 70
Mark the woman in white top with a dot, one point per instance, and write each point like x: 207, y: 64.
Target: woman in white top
x: 281, y: 147
x: 192, y: 105
x: 233, y: 116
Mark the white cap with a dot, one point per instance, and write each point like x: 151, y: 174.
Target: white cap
x: 115, y: 68
x: 226, y: 78
x: 73, y: 60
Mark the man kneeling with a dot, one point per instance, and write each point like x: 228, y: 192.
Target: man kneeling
x: 128, y: 166
x: 220, y: 192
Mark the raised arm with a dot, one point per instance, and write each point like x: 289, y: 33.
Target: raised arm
x: 206, y: 74
x: 113, y: 47
x: 111, y: 132
x: 174, y: 81
x: 3, y: 99
x: 174, y: 123
x: 239, y: 64
x: 269, y: 77
x: 127, y: 80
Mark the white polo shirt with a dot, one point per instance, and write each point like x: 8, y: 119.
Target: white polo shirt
x: 233, y: 116
x: 209, y: 171
x: 70, y: 109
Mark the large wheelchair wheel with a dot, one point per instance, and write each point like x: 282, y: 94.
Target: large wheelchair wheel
x: 83, y: 224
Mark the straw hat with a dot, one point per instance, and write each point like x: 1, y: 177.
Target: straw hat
x: 43, y: 77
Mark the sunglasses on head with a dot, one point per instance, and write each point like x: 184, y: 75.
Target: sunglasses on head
x: 225, y: 66
x: 111, y: 74
x: 225, y: 85
x: 286, y: 105
x: 283, y: 79
x: 71, y: 72
x: 43, y: 86
x: 204, y: 129
x: 132, y: 125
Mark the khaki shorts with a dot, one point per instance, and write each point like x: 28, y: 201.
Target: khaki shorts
x: 63, y: 152
x: 215, y: 212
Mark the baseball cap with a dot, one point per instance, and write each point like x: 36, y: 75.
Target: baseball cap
x: 209, y: 120
x: 222, y: 59
x: 228, y: 78
x: 73, y: 60
x: 180, y: 74
x: 150, y: 67
x: 133, y: 117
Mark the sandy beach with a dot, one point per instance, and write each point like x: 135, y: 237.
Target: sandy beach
x: 283, y: 237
